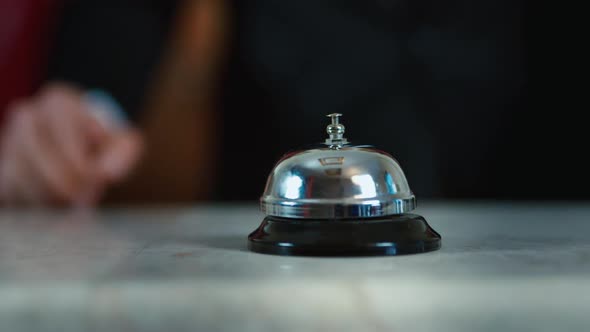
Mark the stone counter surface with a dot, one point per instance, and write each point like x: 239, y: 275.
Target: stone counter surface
x: 503, y: 267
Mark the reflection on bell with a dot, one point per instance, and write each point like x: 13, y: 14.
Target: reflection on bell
x: 340, y: 199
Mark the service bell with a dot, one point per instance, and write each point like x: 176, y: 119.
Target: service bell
x: 338, y: 198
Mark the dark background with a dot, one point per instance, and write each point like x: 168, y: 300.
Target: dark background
x: 476, y: 99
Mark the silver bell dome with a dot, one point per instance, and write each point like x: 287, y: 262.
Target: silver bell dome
x: 337, y: 180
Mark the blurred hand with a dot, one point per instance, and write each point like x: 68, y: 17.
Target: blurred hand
x: 54, y: 151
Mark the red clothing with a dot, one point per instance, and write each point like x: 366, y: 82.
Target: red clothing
x: 25, y: 30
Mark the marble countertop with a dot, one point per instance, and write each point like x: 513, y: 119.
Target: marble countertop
x: 502, y: 266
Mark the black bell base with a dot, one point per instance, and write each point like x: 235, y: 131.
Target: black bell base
x: 392, y: 235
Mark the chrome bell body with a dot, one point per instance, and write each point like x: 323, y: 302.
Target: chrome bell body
x: 326, y: 183
x: 337, y: 198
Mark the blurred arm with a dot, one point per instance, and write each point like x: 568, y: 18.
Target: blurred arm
x: 179, y: 120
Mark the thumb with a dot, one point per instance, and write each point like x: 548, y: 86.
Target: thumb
x: 120, y: 154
